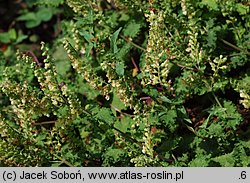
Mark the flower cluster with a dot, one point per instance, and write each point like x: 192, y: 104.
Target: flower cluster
x: 78, y: 6
x: 187, y: 8
x: 194, y: 49
x: 246, y: 99
x: 118, y: 84
x: 48, y: 80
x: 26, y: 106
x: 85, y: 70
x: 156, y: 68
x: 73, y: 102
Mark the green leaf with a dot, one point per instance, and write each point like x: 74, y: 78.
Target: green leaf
x: 201, y: 159
x: 124, y: 17
x: 12, y: 34
x: 246, y: 144
x: 105, y: 114
x: 182, y: 113
x: 88, y: 49
x: 165, y: 99
x: 27, y: 17
x: 63, y: 111
x: 215, y: 130
x: 169, y: 120
x: 132, y: 29
x: 113, y: 155
x: 33, y: 19
x: 124, y: 125
x: 88, y: 36
x: 226, y: 160
x: 40, y: 138
x: 170, y: 143
x: 84, y: 133
x: 63, y: 65
x: 114, y: 39
x: 151, y: 92
x: 44, y: 14
x: 56, y: 164
x: 233, y: 116
x: 242, y: 9
x: 117, y: 103
x: 32, y: 23
x: 211, y: 4
x: 121, y: 55
x: 243, y: 156
x: 4, y: 37
x: 20, y: 38
x: 120, y: 68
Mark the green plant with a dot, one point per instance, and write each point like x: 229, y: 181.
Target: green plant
x: 142, y: 83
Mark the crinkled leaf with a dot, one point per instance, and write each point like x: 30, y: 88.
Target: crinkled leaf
x: 242, y: 9
x: 105, y: 114
x: 226, y: 160
x: 132, y: 29
x: 84, y: 133
x: 113, y: 155
x: 211, y: 4
x: 124, y: 125
x: 120, y: 68
x: 169, y: 119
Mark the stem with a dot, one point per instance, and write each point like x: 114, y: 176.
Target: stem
x: 35, y: 59
x: 44, y: 122
x: 184, y: 67
x: 135, y: 45
x: 235, y: 47
x: 123, y: 113
x: 133, y: 61
x: 217, y: 100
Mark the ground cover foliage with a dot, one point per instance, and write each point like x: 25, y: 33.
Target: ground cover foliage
x: 125, y: 83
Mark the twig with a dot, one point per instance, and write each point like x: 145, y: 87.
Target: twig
x: 44, y: 123
x: 235, y: 47
x: 35, y: 59
x: 131, y: 42
x: 183, y: 66
x: 133, y: 61
x: 123, y: 113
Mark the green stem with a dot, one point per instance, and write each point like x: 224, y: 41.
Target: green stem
x: 216, y: 99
